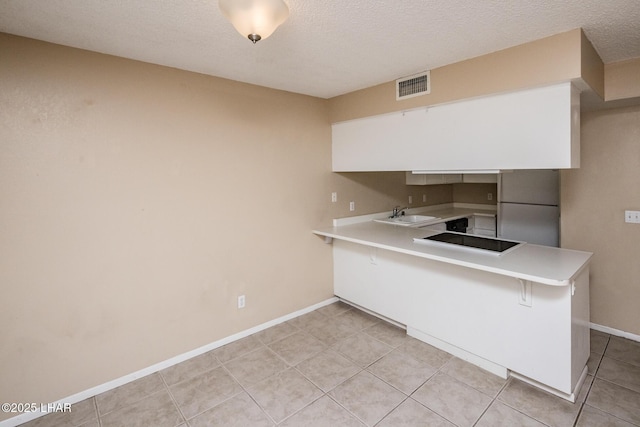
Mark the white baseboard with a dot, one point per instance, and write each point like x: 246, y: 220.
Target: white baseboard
x: 616, y: 332
x: 481, y: 362
x: 570, y: 397
x: 86, y: 394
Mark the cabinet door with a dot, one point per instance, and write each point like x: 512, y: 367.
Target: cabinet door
x: 379, y: 143
x: 529, y: 129
x: 432, y: 178
x: 490, y: 178
x: 483, y: 225
x: 452, y: 178
x: 485, y: 222
x: 424, y: 179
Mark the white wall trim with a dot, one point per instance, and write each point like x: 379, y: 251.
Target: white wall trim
x: 78, y: 397
x: 481, y: 362
x: 612, y: 331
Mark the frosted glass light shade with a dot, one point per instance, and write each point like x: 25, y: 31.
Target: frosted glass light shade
x: 255, y: 17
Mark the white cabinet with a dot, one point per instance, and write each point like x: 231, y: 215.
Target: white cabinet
x: 432, y: 179
x: 483, y: 178
x: 450, y: 178
x: 482, y: 225
x: 530, y: 129
x: 476, y: 315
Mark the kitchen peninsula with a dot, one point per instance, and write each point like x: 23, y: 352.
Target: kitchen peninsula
x: 523, y: 313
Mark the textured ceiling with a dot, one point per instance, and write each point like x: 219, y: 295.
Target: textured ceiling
x: 326, y: 47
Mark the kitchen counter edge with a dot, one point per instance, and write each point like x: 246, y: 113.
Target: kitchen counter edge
x: 541, y: 264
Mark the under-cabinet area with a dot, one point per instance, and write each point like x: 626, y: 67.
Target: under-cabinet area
x: 475, y: 221
x: 524, y: 313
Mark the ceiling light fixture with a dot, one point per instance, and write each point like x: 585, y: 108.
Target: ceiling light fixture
x: 255, y: 19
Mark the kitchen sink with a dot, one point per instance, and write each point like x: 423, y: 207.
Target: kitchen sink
x: 407, y: 220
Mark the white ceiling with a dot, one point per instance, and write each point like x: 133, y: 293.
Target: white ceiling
x: 326, y: 47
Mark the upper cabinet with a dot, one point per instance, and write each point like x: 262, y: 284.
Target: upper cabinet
x: 490, y: 178
x: 433, y: 179
x: 450, y: 178
x: 530, y: 129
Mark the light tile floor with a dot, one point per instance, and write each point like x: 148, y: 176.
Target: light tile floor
x: 338, y: 366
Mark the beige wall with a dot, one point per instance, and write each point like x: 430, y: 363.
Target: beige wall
x: 592, y: 69
x: 546, y: 61
x: 475, y: 193
x: 594, y: 199
x: 622, y: 80
x: 379, y: 191
x: 137, y: 203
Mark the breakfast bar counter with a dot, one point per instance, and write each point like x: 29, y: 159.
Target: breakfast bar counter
x: 523, y: 313
x: 541, y: 264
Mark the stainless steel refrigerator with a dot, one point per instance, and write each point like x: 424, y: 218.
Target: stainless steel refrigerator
x: 528, y: 206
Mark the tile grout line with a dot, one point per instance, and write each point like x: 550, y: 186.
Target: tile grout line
x: 95, y: 406
x: 220, y: 365
x: 302, y: 409
x: 138, y: 400
x: 394, y: 408
x: 509, y: 379
x: 244, y: 389
x: 492, y: 400
x: 347, y: 409
x: 265, y: 345
x: 361, y: 369
x: 584, y: 402
x: 173, y: 399
x: 408, y: 396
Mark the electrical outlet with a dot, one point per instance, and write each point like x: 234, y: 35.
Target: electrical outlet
x: 489, y: 196
x: 241, y: 301
x: 632, y: 217
x: 410, y: 199
x: 334, y: 197
x: 424, y: 198
x: 352, y: 206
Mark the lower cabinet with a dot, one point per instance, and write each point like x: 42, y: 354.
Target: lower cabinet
x: 476, y: 315
x: 482, y: 225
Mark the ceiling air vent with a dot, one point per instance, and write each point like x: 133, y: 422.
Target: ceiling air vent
x: 416, y: 85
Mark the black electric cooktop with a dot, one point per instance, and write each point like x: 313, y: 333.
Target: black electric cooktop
x: 489, y: 244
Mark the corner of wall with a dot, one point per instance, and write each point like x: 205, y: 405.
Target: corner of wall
x: 592, y: 69
x: 550, y: 60
x: 622, y: 80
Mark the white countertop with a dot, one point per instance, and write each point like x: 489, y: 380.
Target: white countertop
x: 542, y: 264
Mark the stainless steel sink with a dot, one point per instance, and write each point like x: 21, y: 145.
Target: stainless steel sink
x: 407, y: 220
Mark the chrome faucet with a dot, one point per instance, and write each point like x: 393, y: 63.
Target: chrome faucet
x: 397, y: 211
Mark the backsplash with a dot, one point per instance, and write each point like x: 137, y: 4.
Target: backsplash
x: 475, y: 193
x: 373, y: 192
